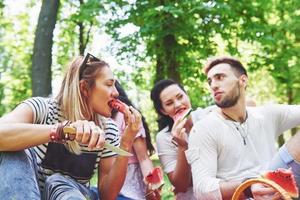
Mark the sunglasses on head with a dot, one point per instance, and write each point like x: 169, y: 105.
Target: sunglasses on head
x: 88, y: 58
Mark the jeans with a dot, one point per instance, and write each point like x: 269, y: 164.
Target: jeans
x: 18, y: 181
x: 60, y: 187
x: 18, y: 176
x: 121, y: 197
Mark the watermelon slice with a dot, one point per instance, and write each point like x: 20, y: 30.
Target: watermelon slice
x: 155, y: 178
x: 182, y: 114
x: 284, y: 178
x: 118, y: 105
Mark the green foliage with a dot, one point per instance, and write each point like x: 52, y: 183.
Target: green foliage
x: 281, y: 46
x: 179, y: 35
x: 81, y: 14
x: 15, y: 52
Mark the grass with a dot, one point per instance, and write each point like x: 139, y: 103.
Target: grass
x: 166, y: 192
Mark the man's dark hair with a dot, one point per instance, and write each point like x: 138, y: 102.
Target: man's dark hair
x: 233, y: 62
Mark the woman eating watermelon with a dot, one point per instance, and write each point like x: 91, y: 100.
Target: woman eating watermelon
x: 173, y: 107
x: 39, y: 160
x: 140, y: 164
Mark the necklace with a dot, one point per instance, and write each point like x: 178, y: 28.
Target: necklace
x: 239, y: 126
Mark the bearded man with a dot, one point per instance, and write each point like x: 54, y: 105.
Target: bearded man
x: 236, y: 142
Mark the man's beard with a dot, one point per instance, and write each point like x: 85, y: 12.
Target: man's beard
x: 231, y: 99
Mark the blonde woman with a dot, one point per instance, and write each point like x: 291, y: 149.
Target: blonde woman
x: 37, y: 160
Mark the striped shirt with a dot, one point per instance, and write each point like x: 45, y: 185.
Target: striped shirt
x: 55, y: 158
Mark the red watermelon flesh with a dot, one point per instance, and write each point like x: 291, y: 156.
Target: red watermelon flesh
x: 155, y: 178
x: 118, y: 105
x: 182, y: 114
x: 284, y: 178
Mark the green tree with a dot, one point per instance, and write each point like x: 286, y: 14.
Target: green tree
x: 179, y: 35
x: 76, y: 29
x: 15, y: 52
x: 281, y: 50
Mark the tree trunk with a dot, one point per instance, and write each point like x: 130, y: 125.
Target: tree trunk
x: 42, y: 51
x: 167, y: 64
x: 159, y: 70
x: 170, y: 46
x: 81, y: 42
x: 160, y: 65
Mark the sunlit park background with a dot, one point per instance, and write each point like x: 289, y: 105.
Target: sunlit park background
x: 148, y: 40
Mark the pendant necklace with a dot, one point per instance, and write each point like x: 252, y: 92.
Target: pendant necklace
x: 239, y: 127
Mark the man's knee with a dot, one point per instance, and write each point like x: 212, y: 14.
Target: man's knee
x: 293, y: 146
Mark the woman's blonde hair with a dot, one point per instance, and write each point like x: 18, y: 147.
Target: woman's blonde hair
x: 72, y: 101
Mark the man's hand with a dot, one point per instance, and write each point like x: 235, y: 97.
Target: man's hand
x: 263, y: 192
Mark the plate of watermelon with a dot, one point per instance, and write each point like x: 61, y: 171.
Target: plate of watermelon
x: 155, y: 179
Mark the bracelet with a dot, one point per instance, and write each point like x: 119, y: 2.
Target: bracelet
x: 57, y: 133
x: 53, y: 135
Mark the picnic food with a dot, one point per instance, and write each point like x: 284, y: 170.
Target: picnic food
x: 182, y: 114
x: 284, y: 178
x: 118, y: 105
x: 155, y: 178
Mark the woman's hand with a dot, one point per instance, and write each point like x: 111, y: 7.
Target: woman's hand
x: 152, y: 194
x: 87, y: 132
x: 179, y: 133
x: 133, y: 121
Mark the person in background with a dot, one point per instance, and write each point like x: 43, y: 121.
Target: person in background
x: 38, y: 160
x: 170, y: 99
x: 140, y: 164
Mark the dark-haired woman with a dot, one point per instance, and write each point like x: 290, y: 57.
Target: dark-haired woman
x: 140, y: 164
x: 170, y: 99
